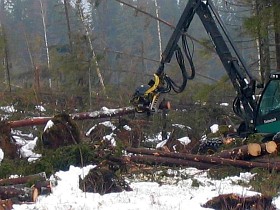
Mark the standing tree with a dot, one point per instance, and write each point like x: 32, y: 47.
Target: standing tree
x: 264, y: 26
x: 276, y: 16
x: 93, y: 57
x: 4, y: 55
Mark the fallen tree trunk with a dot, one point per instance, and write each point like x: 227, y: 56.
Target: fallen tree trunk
x: 17, y: 194
x: 188, y: 158
x: 20, y: 189
x: 20, y: 193
x: 269, y: 147
x: 248, y: 151
x: 24, y: 179
x: 167, y: 161
x: 29, y: 122
x: 77, y: 116
x: 103, y: 113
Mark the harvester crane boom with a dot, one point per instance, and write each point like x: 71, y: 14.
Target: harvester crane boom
x: 245, y: 105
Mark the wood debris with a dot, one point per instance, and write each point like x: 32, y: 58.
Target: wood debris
x: 233, y: 201
x: 151, y: 156
x: 23, y: 189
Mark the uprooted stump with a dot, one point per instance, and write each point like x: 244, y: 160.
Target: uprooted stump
x: 63, y: 132
x: 129, y: 132
x: 126, y: 132
x: 7, y: 143
x: 233, y: 201
x: 103, y: 181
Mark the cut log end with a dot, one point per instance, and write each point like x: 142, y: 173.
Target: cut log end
x: 254, y: 149
x: 270, y: 147
x: 35, y: 194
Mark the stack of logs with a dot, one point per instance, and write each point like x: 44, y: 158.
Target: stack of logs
x: 243, y: 156
x: 23, y: 189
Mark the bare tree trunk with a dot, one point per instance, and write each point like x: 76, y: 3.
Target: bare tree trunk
x: 45, y: 34
x: 35, y: 68
x: 66, y: 3
x: 263, y: 44
x: 277, y: 43
x: 158, y: 30
x: 8, y: 79
x: 6, y: 52
x: 93, y: 57
x: 276, y: 6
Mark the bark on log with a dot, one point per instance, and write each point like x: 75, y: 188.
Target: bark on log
x: 103, y: 113
x: 167, y: 161
x: 29, y: 122
x: 20, y: 194
x: 248, y: 151
x: 25, y: 179
x: 77, y: 116
x: 18, y: 189
x: 25, y: 193
x: 186, y: 158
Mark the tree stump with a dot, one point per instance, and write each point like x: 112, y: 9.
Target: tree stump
x: 64, y: 132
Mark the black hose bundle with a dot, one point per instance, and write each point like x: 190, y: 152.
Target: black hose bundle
x: 181, y: 62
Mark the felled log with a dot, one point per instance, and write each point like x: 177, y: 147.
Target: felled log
x: 29, y: 122
x: 24, y: 192
x: 103, y: 113
x: 77, y: 116
x: 239, y: 153
x: 269, y: 147
x: 25, y: 179
x: 167, y: 161
x: 188, y: 159
x: 248, y: 151
x: 17, y: 194
x: 19, y: 189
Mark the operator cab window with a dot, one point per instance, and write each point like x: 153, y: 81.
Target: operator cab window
x: 270, y: 100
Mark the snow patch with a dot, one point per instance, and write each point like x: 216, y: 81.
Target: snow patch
x: 214, y: 128
x: 48, y: 125
x: 184, y: 140
x: 1, y: 155
x: 26, y: 151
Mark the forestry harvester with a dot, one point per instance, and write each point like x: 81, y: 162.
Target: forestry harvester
x: 258, y: 114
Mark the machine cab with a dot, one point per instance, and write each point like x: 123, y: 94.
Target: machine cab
x: 268, y: 113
